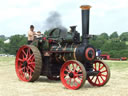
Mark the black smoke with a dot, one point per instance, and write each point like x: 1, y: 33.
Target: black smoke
x: 54, y: 21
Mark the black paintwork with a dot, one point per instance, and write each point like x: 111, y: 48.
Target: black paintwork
x: 52, y: 63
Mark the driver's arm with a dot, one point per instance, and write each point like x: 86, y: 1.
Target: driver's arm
x: 34, y: 33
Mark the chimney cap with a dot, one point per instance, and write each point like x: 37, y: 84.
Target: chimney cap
x: 85, y: 7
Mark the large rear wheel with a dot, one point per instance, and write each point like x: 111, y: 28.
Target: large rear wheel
x: 28, y: 63
x: 73, y: 74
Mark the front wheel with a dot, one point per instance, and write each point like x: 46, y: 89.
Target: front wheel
x: 103, y: 76
x: 73, y: 74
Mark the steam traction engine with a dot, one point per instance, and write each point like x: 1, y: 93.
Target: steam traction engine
x: 62, y: 55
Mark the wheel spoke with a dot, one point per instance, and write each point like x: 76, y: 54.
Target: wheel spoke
x: 31, y: 63
x: 28, y: 52
x: 75, y: 68
x: 103, y: 71
x: 24, y: 77
x: 98, y: 79
x: 76, y: 81
x: 24, y: 52
x: 21, y: 60
x: 101, y: 68
x: 27, y: 70
x: 66, y: 75
x: 95, y: 67
x: 23, y: 56
x: 20, y: 65
x: 92, y: 78
x: 21, y: 69
x: 31, y: 69
x: 69, y: 68
x: 101, y: 78
x: 30, y: 57
x: 79, y: 78
x: 78, y: 71
x: 70, y: 81
x: 79, y: 74
x: 103, y: 75
x: 30, y: 75
x: 33, y: 66
x: 67, y: 79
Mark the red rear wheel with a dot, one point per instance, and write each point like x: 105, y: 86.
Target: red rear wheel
x: 28, y: 63
x: 103, y: 75
x: 73, y: 74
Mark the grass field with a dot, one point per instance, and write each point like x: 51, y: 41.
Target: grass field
x: 11, y: 86
x: 4, y: 61
x: 121, y: 65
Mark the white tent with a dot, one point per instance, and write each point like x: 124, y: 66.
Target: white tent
x: 7, y: 41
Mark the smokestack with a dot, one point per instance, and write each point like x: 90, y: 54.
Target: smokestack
x: 85, y: 23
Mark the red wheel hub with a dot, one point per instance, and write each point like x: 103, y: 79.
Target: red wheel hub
x: 25, y: 63
x: 103, y: 75
x: 72, y: 74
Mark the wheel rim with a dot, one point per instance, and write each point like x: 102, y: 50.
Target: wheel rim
x: 72, y: 74
x: 25, y: 63
x: 103, y: 75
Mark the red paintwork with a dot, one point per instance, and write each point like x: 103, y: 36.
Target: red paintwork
x: 118, y: 59
x: 77, y: 79
x: 105, y: 56
x: 123, y: 58
x: 44, y: 38
x: 50, y: 40
x: 86, y: 54
x: 25, y: 73
x: 101, y: 78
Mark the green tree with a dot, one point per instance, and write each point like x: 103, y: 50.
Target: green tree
x: 2, y: 37
x: 6, y: 48
x: 1, y: 46
x: 104, y: 36
x: 124, y: 36
x: 114, y: 35
x: 114, y: 45
x: 97, y: 42
x: 16, y: 42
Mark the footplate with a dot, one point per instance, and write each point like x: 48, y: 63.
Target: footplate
x: 92, y: 73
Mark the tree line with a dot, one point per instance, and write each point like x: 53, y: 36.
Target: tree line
x: 114, y: 44
x: 16, y: 41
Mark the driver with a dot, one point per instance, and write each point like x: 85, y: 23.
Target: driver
x: 31, y: 34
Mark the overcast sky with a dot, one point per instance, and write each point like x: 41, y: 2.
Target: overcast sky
x: 105, y: 15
